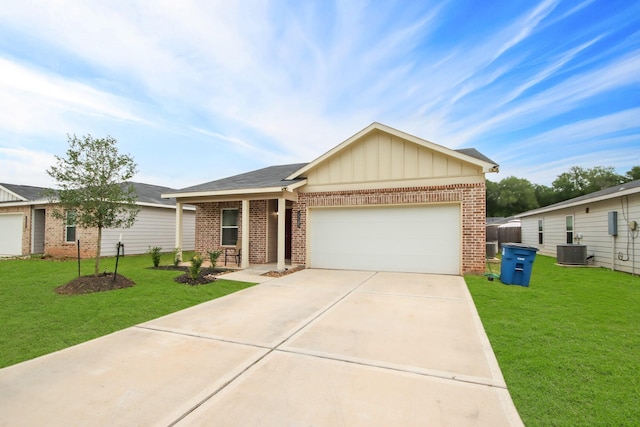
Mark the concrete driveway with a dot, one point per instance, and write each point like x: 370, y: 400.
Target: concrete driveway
x: 315, y: 348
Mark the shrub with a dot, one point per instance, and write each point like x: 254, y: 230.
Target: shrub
x: 194, y: 268
x: 156, y: 253
x: 213, y: 257
x: 176, y: 257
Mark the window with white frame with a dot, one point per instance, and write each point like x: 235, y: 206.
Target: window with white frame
x: 229, y: 231
x: 569, y: 227
x: 540, y: 232
x: 70, y: 226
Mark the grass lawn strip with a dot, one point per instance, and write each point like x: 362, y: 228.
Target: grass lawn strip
x: 36, y: 320
x: 569, y: 345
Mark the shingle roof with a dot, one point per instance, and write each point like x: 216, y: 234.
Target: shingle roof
x: 26, y: 191
x: 146, y: 193
x: 601, y: 194
x: 272, y: 176
x: 472, y: 152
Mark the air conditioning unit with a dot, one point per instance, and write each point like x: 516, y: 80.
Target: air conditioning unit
x: 572, y: 254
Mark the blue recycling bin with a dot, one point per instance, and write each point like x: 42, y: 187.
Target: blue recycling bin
x: 517, y: 263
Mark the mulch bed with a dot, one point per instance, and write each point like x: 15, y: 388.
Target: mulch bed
x: 276, y: 273
x: 207, y: 275
x: 90, y: 284
x: 169, y: 267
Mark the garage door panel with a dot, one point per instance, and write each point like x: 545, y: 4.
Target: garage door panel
x: 11, y: 235
x: 408, y: 238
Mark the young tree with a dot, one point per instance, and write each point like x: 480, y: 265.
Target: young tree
x: 91, y: 182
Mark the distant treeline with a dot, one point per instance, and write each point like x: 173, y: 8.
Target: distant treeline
x: 513, y: 195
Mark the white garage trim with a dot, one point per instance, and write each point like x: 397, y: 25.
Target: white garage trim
x: 11, y: 234
x: 406, y: 238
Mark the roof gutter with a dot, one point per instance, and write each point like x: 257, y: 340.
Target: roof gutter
x: 620, y: 193
x: 236, y: 192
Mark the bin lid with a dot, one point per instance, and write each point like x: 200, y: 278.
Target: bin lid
x: 520, y: 246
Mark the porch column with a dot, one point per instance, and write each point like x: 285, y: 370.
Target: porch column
x: 281, y: 239
x: 179, y: 229
x: 244, y: 262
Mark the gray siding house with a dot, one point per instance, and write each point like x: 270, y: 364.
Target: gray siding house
x: 606, y: 221
x: 27, y: 225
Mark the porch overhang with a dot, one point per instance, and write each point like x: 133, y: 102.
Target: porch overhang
x: 280, y: 193
x: 288, y: 192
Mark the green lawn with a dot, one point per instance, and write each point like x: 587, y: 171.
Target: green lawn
x: 568, y: 345
x: 34, y: 320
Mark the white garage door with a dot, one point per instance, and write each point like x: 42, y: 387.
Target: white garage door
x: 419, y: 239
x: 10, y: 235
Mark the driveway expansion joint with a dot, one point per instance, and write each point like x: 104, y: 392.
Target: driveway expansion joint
x: 259, y: 359
x: 204, y: 337
x: 416, y: 371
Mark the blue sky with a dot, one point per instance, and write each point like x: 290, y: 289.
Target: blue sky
x: 197, y: 91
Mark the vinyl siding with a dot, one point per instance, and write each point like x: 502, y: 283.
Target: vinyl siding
x: 153, y: 227
x: 594, y: 227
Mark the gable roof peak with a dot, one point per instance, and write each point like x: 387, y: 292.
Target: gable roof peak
x: 469, y: 155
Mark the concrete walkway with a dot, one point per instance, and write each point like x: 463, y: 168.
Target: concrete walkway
x: 314, y: 348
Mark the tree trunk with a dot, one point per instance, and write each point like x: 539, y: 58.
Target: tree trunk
x: 97, y: 270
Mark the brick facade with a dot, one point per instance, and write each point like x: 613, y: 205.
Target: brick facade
x: 208, y: 228
x: 55, y: 244
x: 54, y: 234
x: 26, y: 225
x: 470, y: 196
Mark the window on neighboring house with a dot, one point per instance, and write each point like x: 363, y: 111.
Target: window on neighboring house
x: 540, y: 232
x: 569, y: 222
x: 70, y: 227
x: 229, y: 230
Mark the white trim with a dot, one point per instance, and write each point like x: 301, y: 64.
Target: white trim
x: 13, y: 193
x: 158, y: 205
x: 573, y: 228
x: 551, y: 208
x: 67, y: 226
x: 282, y: 213
x: 238, y: 192
x: 486, y: 166
x: 27, y: 203
x: 244, y: 254
x: 222, y: 226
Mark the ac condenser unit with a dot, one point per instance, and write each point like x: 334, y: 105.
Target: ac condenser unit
x: 572, y: 254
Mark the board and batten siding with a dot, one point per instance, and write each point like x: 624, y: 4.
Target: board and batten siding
x: 153, y: 227
x: 6, y: 196
x: 594, y: 227
x: 380, y: 157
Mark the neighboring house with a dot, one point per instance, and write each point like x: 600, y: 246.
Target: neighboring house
x: 585, y: 220
x: 27, y: 225
x: 382, y: 200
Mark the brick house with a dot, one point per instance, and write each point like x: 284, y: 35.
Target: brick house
x: 28, y: 226
x: 381, y: 200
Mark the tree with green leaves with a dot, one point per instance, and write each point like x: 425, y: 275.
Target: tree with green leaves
x: 579, y: 181
x: 633, y: 174
x: 92, y: 184
x: 510, y: 196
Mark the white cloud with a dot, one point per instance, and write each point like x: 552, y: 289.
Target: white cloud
x: 263, y: 83
x: 38, y: 102
x: 25, y: 167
